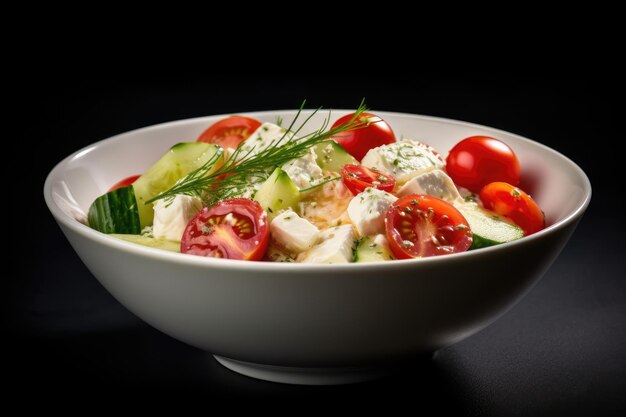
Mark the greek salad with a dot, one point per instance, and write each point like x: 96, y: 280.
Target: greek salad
x: 351, y: 192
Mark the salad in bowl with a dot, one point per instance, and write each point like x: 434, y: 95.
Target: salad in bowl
x: 337, y: 204
x: 351, y: 192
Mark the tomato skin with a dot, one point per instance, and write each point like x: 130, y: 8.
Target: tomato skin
x: 358, y: 141
x: 478, y: 160
x: 234, y: 228
x: 515, y: 204
x: 419, y: 225
x: 125, y: 182
x: 357, y: 178
x: 230, y: 132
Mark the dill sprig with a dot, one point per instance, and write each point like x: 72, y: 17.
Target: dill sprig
x: 243, y: 168
x: 323, y: 181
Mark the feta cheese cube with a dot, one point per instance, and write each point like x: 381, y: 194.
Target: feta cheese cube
x: 304, y: 171
x: 436, y: 183
x: 171, y: 216
x: 367, y: 211
x: 404, y: 159
x: 293, y: 232
x: 266, y: 135
x: 336, y: 247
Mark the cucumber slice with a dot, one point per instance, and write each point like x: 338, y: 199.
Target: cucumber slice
x: 278, y: 193
x: 488, y: 227
x: 115, y: 212
x: 150, y: 241
x: 373, y: 249
x: 331, y: 156
x: 179, y: 161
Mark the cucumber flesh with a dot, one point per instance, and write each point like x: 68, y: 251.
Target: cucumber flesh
x: 164, y: 244
x: 373, y: 249
x: 278, y: 193
x: 488, y: 227
x: 177, y: 162
x: 115, y: 212
x: 331, y: 156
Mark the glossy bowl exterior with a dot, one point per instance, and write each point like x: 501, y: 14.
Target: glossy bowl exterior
x: 315, y: 315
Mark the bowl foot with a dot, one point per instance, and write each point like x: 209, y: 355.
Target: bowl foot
x: 306, y: 376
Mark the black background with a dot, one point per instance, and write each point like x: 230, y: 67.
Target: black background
x: 561, y: 350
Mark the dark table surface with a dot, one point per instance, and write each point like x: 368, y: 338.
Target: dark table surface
x: 561, y: 350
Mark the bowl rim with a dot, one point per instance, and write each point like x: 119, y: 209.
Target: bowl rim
x: 200, y: 261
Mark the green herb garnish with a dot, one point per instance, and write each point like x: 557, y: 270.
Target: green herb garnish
x: 319, y: 184
x: 243, y: 168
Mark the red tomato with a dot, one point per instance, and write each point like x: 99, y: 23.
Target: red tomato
x: 478, y: 160
x: 235, y: 228
x: 358, y: 141
x: 419, y: 225
x: 515, y: 204
x: 230, y: 132
x: 125, y: 182
x: 357, y: 178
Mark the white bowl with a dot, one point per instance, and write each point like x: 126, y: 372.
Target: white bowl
x: 314, y: 324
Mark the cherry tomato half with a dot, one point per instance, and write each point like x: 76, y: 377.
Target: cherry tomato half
x: 478, y: 160
x: 230, y: 132
x: 419, y: 225
x: 515, y: 204
x: 357, y: 178
x: 125, y: 182
x: 235, y: 228
x: 357, y: 142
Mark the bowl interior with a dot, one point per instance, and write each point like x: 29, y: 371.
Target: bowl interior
x: 557, y: 184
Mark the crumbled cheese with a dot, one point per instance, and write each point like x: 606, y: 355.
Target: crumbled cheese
x: 267, y: 134
x: 367, y: 210
x: 293, y: 232
x: 337, y: 246
x: 403, y: 159
x: 435, y: 183
x: 171, y: 216
x: 304, y: 171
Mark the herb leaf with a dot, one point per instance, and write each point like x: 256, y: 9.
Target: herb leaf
x: 243, y: 168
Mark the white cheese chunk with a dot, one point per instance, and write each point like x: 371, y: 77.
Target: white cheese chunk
x: 336, y: 247
x: 171, y: 216
x: 266, y: 135
x: 436, y: 183
x: 293, y: 232
x: 367, y: 211
x: 404, y: 159
x: 304, y: 171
